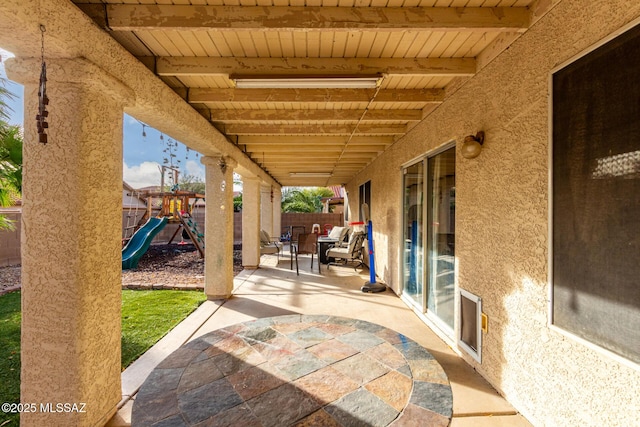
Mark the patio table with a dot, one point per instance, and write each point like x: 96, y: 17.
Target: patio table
x: 297, y: 370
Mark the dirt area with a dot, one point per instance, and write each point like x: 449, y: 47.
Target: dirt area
x: 163, y: 266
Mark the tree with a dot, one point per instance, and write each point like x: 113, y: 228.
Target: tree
x: 192, y: 183
x: 305, y: 199
x: 10, y: 158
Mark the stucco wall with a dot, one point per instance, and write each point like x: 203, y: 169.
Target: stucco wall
x: 502, y: 222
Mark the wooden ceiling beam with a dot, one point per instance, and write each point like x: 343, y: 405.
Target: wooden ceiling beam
x: 315, y: 139
x: 129, y: 17
x: 304, y: 148
x: 281, y: 116
x: 203, y: 95
x: 206, y: 66
x: 305, y: 129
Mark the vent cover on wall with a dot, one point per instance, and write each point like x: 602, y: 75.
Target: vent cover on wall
x: 471, y: 324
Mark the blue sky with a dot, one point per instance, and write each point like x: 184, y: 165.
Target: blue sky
x: 142, y: 154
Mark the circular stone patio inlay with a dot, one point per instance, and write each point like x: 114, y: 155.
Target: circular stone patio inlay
x: 297, y: 371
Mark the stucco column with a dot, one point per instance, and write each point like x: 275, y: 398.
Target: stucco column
x: 266, y: 210
x: 71, y: 242
x: 277, y: 211
x: 218, y: 235
x: 250, y: 222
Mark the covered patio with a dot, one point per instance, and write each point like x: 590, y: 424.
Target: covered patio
x: 275, y: 290
x: 449, y: 119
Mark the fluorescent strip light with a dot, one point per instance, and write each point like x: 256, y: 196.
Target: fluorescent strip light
x: 302, y: 82
x: 310, y: 174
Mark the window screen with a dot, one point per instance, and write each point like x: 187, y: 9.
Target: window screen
x: 596, y: 196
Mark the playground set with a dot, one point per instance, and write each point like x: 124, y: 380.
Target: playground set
x: 175, y: 206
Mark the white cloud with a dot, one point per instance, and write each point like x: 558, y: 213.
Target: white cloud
x: 4, y: 54
x: 142, y: 175
x: 194, y: 168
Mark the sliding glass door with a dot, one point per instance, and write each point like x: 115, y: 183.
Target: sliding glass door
x: 429, y: 237
x: 413, y: 184
x: 441, y: 209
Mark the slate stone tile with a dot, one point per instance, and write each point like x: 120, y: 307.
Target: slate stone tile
x: 326, y: 384
x: 261, y: 334
x: 283, y: 406
x: 288, y: 318
x: 392, y: 337
x: 288, y: 328
x: 255, y: 381
x: 197, y: 344
x: 363, y: 372
x: 156, y: 407
x: 277, y: 348
x: 361, y: 409
x: 405, y: 370
x: 265, y: 322
x: 368, y: 326
x: 415, y: 416
x: 238, y: 359
x: 174, y: 421
x: 161, y: 381
x: 342, y: 321
x: 198, y: 374
x: 298, y: 364
x: 334, y: 329
x: 413, y: 351
x: 226, y: 345
x: 204, y: 402
x: 180, y: 358
x: 308, y: 337
x: 392, y: 388
x: 318, y: 419
x: 388, y: 355
x: 360, y: 340
x: 213, y: 336
x: 238, y: 416
x: 428, y: 370
x: 434, y: 397
x: 232, y: 329
x: 361, y: 368
x: 332, y: 351
x: 315, y: 318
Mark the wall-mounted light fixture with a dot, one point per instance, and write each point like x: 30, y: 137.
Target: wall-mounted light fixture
x: 310, y: 174
x: 472, y: 145
x: 306, y: 82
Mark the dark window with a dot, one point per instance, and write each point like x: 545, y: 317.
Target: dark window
x: 365, y: 197
x: 596, y: 196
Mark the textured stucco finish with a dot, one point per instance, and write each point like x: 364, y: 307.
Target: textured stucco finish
x: 502, y: 222
x: 71, y: 249
x: 276, y: 228
x: 218, y: 260
x: 266, y: 210
x: 250, y: 222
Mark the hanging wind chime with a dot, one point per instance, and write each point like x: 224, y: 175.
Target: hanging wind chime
x: 43, y: 100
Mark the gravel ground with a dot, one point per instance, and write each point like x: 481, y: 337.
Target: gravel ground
x: 163, y: 266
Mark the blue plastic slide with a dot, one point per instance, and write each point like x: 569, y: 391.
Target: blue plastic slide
x: 140, y: 241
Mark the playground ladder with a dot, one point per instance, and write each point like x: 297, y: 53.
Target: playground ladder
x: 192, y: 230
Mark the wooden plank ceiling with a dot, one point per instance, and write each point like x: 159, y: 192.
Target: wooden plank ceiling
x: 421, y: 48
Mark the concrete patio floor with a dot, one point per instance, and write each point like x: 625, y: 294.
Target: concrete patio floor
x: 274, y: 290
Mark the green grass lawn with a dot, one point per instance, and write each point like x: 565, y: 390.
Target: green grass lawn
x: 146, y: 317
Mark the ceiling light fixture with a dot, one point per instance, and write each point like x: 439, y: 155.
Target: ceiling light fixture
x: 307, y: 82
x: 310, y: 174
